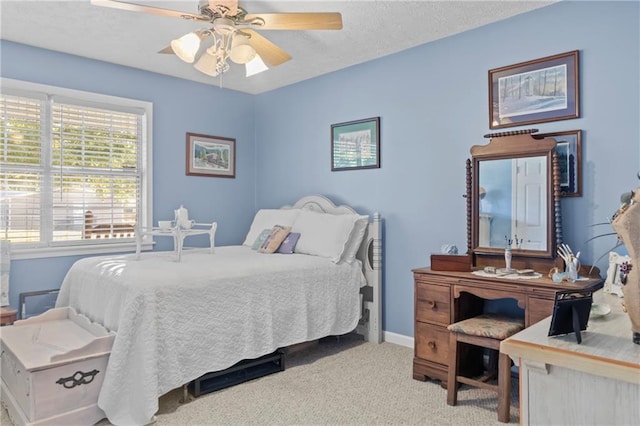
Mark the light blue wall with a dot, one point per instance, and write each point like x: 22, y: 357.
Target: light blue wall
x: 179, y: 106
x: 432, y: 101
x: 433, y: 104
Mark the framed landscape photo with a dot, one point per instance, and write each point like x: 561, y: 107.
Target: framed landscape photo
x: 569, y: 150
x: 536, y: 91
x: 355, y: 145
x: 211, y: 156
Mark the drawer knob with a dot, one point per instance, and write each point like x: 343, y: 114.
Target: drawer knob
x: 431, y: 304
x: 432, y: 345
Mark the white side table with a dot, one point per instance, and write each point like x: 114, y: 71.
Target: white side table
x: 179, y: 234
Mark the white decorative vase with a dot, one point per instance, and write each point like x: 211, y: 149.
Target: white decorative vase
x: 507, y: 259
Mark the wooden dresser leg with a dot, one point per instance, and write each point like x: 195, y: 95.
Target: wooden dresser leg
x: 504, y: 387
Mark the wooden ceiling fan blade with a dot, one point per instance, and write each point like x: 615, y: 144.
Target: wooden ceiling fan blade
x: 269, y: 52
x: 298, y: 21
x: 132, y: 7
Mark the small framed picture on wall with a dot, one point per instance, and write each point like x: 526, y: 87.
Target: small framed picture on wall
x: 212, y: 156
x: 355, y: 145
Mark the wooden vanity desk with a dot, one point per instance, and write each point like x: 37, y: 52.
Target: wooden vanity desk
x: 444, y: 297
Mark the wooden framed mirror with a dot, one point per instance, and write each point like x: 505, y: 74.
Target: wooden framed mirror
x: 513, y: 195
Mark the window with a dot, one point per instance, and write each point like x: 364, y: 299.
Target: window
x: 74, y: 170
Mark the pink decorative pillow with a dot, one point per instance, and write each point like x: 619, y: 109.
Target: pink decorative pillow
x: 273, y: 241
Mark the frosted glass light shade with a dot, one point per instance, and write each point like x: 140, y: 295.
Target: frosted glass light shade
x: 207, y: 63
x: 186, y: 47
x: 241, y: 51
x: 255, y: 66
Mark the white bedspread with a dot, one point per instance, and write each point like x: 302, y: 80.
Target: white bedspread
x: 177, y: 321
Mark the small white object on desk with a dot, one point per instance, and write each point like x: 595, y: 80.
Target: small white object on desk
x: 448, y: 249
x: 165, y: 224
x: 599, y: 310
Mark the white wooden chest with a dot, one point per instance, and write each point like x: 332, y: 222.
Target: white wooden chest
x: 52, y: 368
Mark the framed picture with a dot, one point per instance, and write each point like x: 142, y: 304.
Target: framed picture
x: 613, y: 284
x: 211, y: 156
x: 356, y: 145
x: 536, y: 91
x: 569, y: 149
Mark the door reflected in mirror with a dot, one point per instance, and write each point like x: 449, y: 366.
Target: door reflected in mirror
x: 512, y: 205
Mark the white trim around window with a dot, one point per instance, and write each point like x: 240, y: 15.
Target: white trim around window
x: 142, y: 109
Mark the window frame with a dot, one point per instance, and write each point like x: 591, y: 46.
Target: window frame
x: 23, y: 88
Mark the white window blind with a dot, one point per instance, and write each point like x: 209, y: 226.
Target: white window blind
x: 73, y: 171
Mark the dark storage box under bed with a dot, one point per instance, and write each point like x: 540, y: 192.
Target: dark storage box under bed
x: 241, y: 372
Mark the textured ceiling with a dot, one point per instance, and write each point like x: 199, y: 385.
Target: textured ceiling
x: 372, y: 29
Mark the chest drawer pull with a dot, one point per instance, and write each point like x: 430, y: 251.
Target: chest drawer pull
x: 432, y: 345
x: 78, y: 378
x: 431, y: 304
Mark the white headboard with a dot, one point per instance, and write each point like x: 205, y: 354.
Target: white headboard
x: 369, y: 253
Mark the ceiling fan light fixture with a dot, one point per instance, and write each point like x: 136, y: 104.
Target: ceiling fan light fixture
x: 241, y: 51
x: 255, y: 66
x: 232, y: 34
x: 186, y: 47
x: 208, y: 63
x: 224, y: 26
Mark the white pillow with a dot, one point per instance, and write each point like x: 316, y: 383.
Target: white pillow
x: 323, y: 234
x: 267, y: 219
x: 355, y: 239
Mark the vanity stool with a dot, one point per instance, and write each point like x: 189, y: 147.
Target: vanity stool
x: 486, y: 331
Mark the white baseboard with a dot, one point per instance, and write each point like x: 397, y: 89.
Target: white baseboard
x: 398, y: 339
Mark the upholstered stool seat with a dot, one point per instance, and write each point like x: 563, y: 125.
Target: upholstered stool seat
x: 486, y: 331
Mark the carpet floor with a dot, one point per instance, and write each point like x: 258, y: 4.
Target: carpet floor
x: 338, y: 381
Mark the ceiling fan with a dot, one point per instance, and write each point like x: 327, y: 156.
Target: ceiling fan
x: 230, y: 34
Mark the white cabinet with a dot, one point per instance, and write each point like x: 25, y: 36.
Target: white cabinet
x: 562, y: 382
x: 53, y: 366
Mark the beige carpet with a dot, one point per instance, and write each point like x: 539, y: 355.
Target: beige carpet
x: 335, y: 382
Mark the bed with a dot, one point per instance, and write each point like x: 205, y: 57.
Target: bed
x: 175, y: 321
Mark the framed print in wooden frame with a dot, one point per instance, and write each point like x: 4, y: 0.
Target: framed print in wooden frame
x: 211, y: 156
x: 569, y: 150
x: 537, y: 91
x: 355, y: 145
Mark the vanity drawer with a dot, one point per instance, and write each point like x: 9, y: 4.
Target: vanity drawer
x: 432, y: 343
x: 433, y: 303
